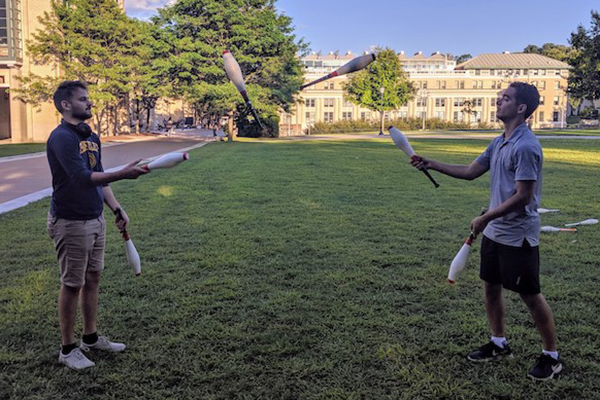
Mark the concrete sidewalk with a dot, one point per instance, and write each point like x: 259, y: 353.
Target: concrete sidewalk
x: 27, y: 178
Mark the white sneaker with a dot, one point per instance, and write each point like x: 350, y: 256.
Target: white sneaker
x: 75, y: 359
x: 103, y: 344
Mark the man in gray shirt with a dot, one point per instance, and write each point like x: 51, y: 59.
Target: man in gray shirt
x: 511, y: 226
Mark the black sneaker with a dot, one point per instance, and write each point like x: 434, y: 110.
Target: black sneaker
x: 489, y: 352
x: 545, y: 368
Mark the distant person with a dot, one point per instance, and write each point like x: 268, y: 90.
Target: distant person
x: 511, y: 226
x: 76, y: 221
x: 164, y: 124
x: 169, y: 126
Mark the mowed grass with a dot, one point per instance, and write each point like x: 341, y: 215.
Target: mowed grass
x: 305, y: 270
x: 18, y: 149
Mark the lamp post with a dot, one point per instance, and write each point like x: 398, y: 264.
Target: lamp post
x: 424, y: 104
x: 382, y: 91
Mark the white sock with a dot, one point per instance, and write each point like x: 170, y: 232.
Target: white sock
x: 499, y: 341
x: 553, y: 354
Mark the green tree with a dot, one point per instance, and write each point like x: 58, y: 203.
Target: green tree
x: 261, y: 40
x: 462, y: 58
x: 93, y: 41
x: 364, y: 87
x: 556, y: 51
x: 469, y: 109
x: 584, y: 79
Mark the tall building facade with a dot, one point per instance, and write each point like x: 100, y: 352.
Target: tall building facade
x: 442, y: 88
x: 20, y: 121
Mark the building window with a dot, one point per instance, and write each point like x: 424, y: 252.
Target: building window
x: 462, y: 85
x: 403, y: 114
x: 329, y: 86
x: 458, y: 116
x: 328, y: 102
x: 309, y: 103
x: 424, y: 85
x: 477, y: 102
x: 347, y: 116
x: 542, y: 85
x: 555, y: 116
x: 493, y: 117
x: 422, y: 114
x: 310, y: 116
x: 477, y: 72
x: 493, y: 102
x: 541, y: 116
x: 458, y: 102
x: 556, y: 85
x: 555, y: 100
x: 542, y: 100
x: 328, y: 117
x: 440, y: 102
x: 439, y: 115
x: 365, y: 116
x: 421, y: 102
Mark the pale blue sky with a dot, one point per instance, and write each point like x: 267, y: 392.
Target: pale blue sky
x: 448, y: 26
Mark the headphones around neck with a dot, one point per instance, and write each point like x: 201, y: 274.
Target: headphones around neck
x: 82, y: 129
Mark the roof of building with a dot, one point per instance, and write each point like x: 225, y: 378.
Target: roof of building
x: 510, y: 60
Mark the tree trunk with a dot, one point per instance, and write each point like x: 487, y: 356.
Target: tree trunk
x: 230, y: 133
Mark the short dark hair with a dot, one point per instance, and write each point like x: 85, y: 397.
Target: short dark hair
x: 65, y: 92
x: 526, y: 94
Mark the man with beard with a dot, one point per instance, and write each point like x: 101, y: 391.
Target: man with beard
x: 75, y: 221
x: 511, y: 226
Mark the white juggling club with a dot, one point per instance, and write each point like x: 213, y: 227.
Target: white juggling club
x: 167, y: 161
x: 352, y: 66
x: 403, y: 144
x: 555, y: 229
x: 133, y: 258
x: 460, y: 260
x: 234, y: 73
x: 545, y: 211
x: 590, y: 221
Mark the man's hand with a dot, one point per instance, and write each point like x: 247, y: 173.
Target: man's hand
x: 420, y: 163
x: 478, y: 225
x: 130, y: 171
x: 122, y: 220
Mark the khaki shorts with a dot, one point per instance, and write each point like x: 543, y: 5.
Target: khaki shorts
x: 79, y: 247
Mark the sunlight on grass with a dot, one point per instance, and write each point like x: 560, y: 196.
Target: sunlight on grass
x: 166, y: 191
x: 581, y: 157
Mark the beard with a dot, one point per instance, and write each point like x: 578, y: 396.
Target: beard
x: 83, y: 115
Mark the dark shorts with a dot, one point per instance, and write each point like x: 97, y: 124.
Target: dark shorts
x: 516, y: 268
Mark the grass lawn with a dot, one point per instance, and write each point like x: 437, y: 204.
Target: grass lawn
x: 582, y: 132
x: 305, y: 270
x: 24, y: 148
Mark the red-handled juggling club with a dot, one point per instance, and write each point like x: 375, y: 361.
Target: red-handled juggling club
x: 234, y: 73
x: 352, y: 66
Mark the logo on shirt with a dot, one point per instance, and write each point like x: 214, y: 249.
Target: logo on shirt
x: 91, y: 148
x: 84, y: 146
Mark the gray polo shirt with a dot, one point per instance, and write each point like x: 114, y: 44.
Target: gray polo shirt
x: 519, y: 158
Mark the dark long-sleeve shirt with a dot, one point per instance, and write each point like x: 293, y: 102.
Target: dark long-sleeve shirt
x: 73, y: 158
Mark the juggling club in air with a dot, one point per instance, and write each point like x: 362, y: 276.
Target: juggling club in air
x: 234, y: 73
x: 402, y: 143
x: 352, y: 66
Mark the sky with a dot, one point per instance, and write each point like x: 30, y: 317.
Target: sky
x: 448, y: 26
